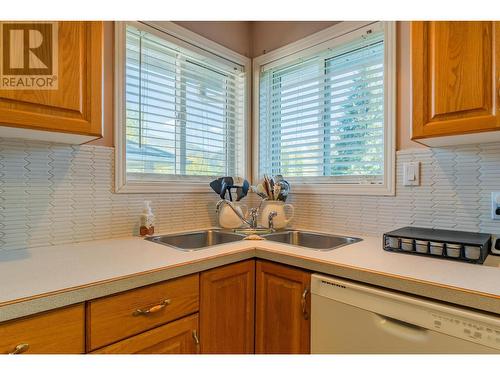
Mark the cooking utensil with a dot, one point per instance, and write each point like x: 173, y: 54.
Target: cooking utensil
x: 276, y: 191
x: 216, y: 185
x: 284, y: 190
x: 227, y: 183
x: 259, y: 191
x: 242, y: 191
x: 278, y: 178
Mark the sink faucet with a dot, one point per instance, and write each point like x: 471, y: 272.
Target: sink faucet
x: 254, y: 212
x: 270, y: 223
x: 253, y: 215
x: 252, y: 223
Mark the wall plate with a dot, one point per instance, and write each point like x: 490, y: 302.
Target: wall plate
x: 495, y: 205
x: 411, y: 174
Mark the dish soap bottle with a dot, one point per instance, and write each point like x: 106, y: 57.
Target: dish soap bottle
x: 147, y: 220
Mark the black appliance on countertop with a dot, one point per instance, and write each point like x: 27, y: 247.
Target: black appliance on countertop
x: 439, y: 243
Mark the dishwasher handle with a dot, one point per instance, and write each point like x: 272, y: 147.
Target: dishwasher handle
x: 401, y: 329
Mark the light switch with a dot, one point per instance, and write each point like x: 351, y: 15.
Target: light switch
x: 411, y: 174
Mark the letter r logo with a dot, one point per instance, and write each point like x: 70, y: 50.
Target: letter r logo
x: 29, y: 55
x: 27, y: 48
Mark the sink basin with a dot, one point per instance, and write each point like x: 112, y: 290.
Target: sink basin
x: 316, y: 241
x: 193, y: 241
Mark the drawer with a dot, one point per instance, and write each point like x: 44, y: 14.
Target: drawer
x: 114, y: 318
x: 60, y: 331
x: 179, y: 337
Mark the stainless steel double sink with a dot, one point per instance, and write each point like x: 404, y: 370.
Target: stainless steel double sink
x: 193, y: 241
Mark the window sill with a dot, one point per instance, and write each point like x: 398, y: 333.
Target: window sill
x: 136, y: 187
x: 342, y: 189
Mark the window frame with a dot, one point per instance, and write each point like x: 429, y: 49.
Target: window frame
x: 185, y: 39
x: 330, y: 38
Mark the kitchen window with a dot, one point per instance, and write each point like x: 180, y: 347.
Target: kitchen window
x: 181, y: 115
x: 325, y: 110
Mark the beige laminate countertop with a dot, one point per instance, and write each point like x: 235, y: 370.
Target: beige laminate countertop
x: 44, y: 278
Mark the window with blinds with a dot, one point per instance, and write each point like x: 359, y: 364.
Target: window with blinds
x: 184, y: 112
x: 322, y: 115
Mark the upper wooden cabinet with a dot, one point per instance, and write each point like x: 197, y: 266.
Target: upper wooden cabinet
x: 69, y: 56
x: 282, y: 309
x: 455, y: 82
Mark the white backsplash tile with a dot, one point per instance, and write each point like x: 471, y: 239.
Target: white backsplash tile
x: 454, y: 193
x: 57, y: 194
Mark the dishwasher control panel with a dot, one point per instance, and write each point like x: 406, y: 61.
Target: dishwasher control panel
x: 468, y: 330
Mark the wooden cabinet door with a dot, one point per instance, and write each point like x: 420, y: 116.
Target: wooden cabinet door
x: 179, y: 337
x: 282, y: 309
x: 455, y: 78
x: 227, y: 309
x: 75, y: 106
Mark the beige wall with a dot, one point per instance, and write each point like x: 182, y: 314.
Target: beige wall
x: 270, y: 35
x: 234, y: 35
x: 252, y: 39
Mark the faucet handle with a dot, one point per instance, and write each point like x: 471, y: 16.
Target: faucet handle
x: 270, y: 217
x: 272, y: 214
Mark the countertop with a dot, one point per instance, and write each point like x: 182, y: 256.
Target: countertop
x: 44, y: 278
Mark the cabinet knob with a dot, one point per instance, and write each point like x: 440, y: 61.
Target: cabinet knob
x: 21, y: 348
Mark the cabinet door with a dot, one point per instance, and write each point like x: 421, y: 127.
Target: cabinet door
x: 282, y: 309
x: 227, y: 309
x: 179, y: 337
x: 454, y: 77
x: 75, y: 105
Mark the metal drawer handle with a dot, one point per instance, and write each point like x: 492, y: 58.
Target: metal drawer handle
x: 303, y: 303
x: 153, y: 309
x: 196, y: 341
x: 19, y: 349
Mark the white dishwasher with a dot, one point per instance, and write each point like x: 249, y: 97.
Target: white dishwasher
x: 349, y: 317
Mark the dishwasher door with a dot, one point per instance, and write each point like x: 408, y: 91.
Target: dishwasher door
x: 352, y: 318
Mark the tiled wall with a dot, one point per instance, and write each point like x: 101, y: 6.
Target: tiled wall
x: 54, y: 194
x: 454, y: 193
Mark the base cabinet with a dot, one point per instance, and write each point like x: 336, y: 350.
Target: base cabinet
x: 60, y: 331
x: 227, y: 309
x: 179, y: 337
x: 282, y: 309
x: 241, y: 308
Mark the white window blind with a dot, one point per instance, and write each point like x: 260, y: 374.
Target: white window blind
x: 323, y: 115
x: 184, y: 113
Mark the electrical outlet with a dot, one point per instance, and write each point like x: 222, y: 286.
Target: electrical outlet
x: 495, y: 205
x: 411, y: 174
